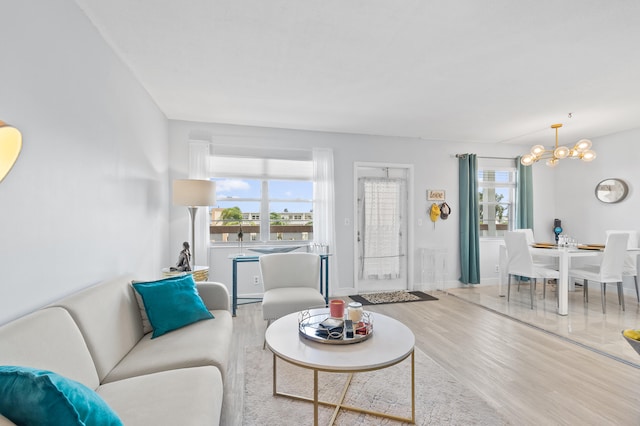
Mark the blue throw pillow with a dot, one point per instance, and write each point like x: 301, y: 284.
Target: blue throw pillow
x: 29, y: 396
x: 146, y: 325
x: 172, y: 303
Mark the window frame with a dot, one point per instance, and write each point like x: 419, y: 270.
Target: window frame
x: 265, y: 212
x: 497, y: 166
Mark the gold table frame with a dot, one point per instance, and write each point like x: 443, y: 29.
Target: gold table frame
x: 339, y: 405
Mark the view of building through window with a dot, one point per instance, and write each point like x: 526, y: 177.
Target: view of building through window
x: 496, y: 192
x: 265, y: 210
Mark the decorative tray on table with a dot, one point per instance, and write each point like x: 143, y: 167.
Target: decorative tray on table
x: 319, y: 326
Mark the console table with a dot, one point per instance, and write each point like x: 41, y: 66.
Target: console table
x: 200, y: 273
x: 324, y: 277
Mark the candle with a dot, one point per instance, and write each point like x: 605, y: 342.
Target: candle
x: 336, y: 308
x: 355, y: 311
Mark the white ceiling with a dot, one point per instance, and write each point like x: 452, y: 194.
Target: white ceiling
x: 459, y: 70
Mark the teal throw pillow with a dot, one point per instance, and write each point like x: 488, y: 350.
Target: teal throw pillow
x: 29, y: 396
x: 172, y: 304
x: 146, y: 325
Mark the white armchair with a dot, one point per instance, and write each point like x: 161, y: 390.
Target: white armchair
x: 291, y: 283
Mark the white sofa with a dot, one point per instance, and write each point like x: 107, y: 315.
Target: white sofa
x: 96, y: 337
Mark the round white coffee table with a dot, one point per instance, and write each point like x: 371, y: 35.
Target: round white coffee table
x: 390, y: 343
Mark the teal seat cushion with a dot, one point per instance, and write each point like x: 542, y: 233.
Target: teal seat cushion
x: 172, y: 303
x: 29, y: 396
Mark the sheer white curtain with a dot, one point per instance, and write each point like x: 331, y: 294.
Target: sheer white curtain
x: 324, y: 230
x: 382, y: 235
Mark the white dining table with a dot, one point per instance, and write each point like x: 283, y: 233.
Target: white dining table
x: 564, y: 255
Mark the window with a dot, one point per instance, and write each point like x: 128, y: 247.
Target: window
x: 237, y: 204
x: 496, y: 195
x: 288, y: 202
x: 268, y: 199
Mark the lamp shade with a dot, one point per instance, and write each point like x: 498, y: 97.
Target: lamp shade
x: 194, y: 192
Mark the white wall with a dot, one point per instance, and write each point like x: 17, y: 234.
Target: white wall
x: 583, y: 216
x: 435, y: 168
x: 88, y: 197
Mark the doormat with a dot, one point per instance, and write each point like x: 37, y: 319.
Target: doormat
x: 392, y: 297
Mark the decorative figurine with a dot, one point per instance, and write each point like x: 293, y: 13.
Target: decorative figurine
x: 557, y: 228
x: 184, y: 260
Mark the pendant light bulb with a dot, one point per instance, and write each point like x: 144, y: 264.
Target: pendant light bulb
x: 527, y: 160
x: 583, y: 145
x: 537, y: 150
x: 561, y: 152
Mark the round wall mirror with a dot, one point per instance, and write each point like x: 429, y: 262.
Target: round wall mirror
x: 611, y: 190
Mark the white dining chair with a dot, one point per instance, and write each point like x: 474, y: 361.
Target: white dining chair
x: 538, y: 260
x: 630, y: 266
x: 608, y: 271
x: 520, y: 263
x: 528, y: 232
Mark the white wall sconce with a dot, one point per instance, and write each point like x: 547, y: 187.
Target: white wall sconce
x: 10, y: 146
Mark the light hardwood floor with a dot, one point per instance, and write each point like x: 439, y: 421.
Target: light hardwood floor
x: 530, y: 376
x: 585, y: 324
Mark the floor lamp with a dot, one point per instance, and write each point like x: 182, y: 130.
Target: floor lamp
x: 193, y: 193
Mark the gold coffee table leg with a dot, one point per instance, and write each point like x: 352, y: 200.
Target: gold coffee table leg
x: 274, y: 375
x: 413, y: 387
x: 339, y: 405
x: 315, y: 397
x: 341, y: 400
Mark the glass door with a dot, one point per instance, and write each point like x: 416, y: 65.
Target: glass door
x: 381, y: 229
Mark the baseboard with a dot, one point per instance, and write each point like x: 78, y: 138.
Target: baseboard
x: 250, y: 296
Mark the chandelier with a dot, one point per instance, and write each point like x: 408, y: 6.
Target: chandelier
x: 581, y: 150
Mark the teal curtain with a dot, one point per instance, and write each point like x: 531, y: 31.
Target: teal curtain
x: 524, y: 197
x: 469, y: 217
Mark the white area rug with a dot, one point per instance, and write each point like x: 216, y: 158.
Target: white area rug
x: 440, y: 398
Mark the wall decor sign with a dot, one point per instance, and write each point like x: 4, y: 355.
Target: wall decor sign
x: 435, y: 195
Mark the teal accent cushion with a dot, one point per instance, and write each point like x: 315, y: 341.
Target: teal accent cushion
x: 146, y: 325
x: 29, y: 396
x: 172, y: 303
